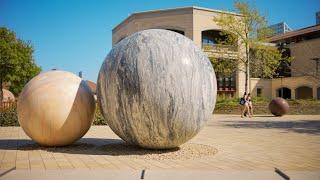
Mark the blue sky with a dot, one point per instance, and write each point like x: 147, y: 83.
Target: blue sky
x: 75, y: 35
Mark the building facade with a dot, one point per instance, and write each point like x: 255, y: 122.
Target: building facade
x: 280, y: 28
x: 197, y: 24
x: 303, y: 46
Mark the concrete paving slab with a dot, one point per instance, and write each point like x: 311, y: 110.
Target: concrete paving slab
x: 290, y: 143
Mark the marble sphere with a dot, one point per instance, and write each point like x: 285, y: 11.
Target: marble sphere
x: 156, y: 89
x: 278, y: 106
x: 56, y: 108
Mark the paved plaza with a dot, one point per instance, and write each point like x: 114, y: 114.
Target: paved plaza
x: 228, y: 145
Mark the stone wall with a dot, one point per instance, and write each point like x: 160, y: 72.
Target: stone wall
x: 167, y: 19
x: 293, y: 83
x: 263, y: 84
x: 303, y: 52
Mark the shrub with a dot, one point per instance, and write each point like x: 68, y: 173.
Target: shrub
x: 9, y: 117
x: 225, y: 100
x: 98, y: 118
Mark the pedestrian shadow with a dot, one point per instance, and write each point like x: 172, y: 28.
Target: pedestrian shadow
x: 303, y: 126
x: 266, y: 115
x: 89, y: 146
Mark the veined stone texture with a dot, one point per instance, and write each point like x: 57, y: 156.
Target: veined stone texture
x: 56, y: 108
x: 156, y: 89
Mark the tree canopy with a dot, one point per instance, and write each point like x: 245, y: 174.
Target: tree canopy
x: 255, y: 55
x: 17, y: 65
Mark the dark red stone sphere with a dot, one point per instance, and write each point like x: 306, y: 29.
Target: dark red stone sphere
x: 279, y: 106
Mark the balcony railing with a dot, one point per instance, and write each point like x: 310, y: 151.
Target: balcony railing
x: 7, y: 105
x: 219, y: 47
x: 219, y: 50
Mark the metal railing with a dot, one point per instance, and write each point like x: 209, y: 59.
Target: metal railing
x: 219, y: 47
x: 7, y: 105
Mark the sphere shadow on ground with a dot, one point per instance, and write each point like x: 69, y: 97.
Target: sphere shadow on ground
x: 114, y: 147
x: 303, y: 126
x: 90, y: 146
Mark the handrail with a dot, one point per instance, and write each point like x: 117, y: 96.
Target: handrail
x: 208, y: 46
x: 7, y: 105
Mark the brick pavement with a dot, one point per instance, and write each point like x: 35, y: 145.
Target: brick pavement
x: 290, y: 143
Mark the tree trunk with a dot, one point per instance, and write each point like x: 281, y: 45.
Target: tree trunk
x: 247, y: 72
x: 1, y: 94
x: 246, y: 83
x: 247, y: 64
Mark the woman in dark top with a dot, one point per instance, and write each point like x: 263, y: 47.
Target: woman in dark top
x: 244, y: 104
x: 250, y: 107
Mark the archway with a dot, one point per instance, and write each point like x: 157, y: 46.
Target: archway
x: 121, y: 38
x: 303, y: 92
x: 176, y: 30
x: 284, y: 92
x: 213, y: 37
x: 318, y: 93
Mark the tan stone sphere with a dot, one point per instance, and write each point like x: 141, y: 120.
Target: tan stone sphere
x: 56, y: 108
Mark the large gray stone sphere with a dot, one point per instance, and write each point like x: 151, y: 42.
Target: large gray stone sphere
x: 156, y: 89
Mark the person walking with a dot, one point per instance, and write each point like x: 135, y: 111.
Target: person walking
x: 244, y: 104
x: 250, y: 107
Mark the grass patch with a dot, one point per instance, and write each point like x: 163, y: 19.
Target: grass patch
x: 9, y: 117
x: 227, y: 105
x: 98, y: 118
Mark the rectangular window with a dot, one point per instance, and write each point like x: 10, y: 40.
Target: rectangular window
x: 259, y: 92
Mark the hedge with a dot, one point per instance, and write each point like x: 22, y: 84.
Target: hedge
x: 9, y: 117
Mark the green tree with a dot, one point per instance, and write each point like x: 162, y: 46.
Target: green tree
x: 266, y: 60
x: 251, y: 30
x: 17, y: 66
x: 225, y: 66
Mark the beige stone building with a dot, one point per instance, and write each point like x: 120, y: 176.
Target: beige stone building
x: 197, y: 24
x: 303, y: 79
